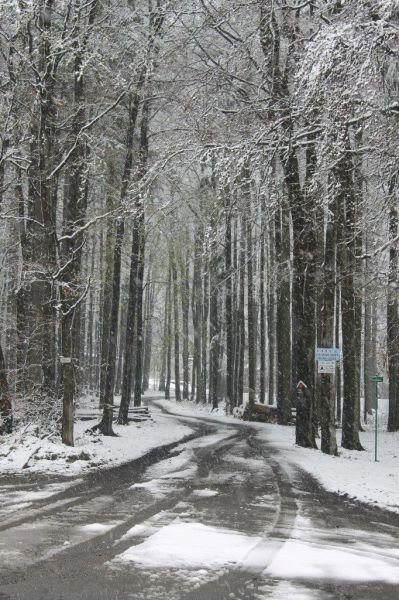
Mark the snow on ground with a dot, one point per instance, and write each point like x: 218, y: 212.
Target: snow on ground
x: 168, y: 547
x: 355, y: 474
x: 49, y: 455
x: 98, y: 528
x: 297, y: 559
x: 205, y: 493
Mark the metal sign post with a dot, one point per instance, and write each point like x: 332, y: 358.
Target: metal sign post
x: 377, y: 379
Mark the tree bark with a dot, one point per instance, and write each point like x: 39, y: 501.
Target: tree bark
x: 393, y: 314
x: 347, y: 202
x: 283, y: 317
x: 185, y: 305
x: 326, y: 340
x: 175, y: 324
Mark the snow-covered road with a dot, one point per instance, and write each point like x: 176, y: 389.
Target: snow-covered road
x: 216, y: 517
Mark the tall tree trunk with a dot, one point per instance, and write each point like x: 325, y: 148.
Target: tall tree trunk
x: 196, y: 304
x: 214, y: 331
x: 303, y: 298
x: 338, y: 372
x: 107, y: 286
x: 72, y: 290
x: 143, y: 160
x: 262, y: 302
x: 169, y: 334
x: 150, y: 303
x: 283, y: 317
x: 347, y: 202
x: 185, y: 305
x: 6, y: 416
x: 271, y: 313
x: 326, y: 340
x: 128, y: 363
x: 164, y: 345
x: 251, y: 309
x: 393, y: 314
x: 138, y: 382
x: 241, y: 316
x: 230, y: 397
x: 367, y: 343
x: 176, y: 325
x: 204, y: 328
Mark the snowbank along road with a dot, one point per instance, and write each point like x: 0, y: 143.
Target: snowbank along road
x: 218, y: 516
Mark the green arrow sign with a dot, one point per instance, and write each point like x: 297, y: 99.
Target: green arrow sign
x: 378, y: 378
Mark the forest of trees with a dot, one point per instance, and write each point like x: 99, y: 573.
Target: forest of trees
x: 199, y: 193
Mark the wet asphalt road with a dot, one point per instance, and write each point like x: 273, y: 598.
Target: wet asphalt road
x: 308, y: 544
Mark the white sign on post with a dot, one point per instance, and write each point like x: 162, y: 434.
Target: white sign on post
x: 65, y: 360
x: 328, y: 354
x: 326, y: 366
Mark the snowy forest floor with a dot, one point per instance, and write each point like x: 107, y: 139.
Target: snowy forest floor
x: 353, y: 474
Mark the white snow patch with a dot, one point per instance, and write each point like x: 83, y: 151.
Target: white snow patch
x: 209, y: 548
x: 155, y: 486
x: 302, y: 560
x: 140, y: 530
x: 97, y: 528
x: 205, y: 493
x: 283, y: 590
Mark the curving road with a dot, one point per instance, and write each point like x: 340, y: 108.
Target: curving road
x: 219, y: 516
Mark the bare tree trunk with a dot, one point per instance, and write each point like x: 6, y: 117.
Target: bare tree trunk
x: 214, y: 329
x: 149, y: 313
x: 241, y: 317
x: 169, y: 334
x: 120, y: 343
x: 164, y: 345
x: 204, y: 328
x: 128, y: 362
x: 196, y: 304
x: 326, y: 340
x: 347, y: 202
x: 185, y: 305
x: 303, y: 296
x: 338, y: 375
x: 139, y: 323
x: 283, y: 318
x: 367, y: 343
x: 271, y: 313
x: 107, y: 290
x: 143, y: 160
x: 6, y: 416
x: 230, y: 397
x: 393, y: 314
x: 251, y: 310
x: 176, y: 325
x: 262, y: 302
